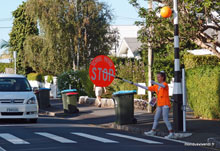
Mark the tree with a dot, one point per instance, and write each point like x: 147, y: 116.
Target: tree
x: 23, y: 26
x: 69, y: 28
x: 4, y: 45
x: 193, y: 26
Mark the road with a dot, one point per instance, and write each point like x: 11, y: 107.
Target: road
x: 58, y: 134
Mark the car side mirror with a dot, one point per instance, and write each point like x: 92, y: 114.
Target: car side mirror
x: 35, y: 89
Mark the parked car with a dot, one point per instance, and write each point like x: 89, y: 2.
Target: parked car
x: 17, y: 100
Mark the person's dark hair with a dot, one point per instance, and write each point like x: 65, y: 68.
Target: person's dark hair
x: 162, y: 74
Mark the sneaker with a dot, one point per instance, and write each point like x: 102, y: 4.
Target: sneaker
x: 150, y: 133
x: 100, y: 104
x: 170, y: 136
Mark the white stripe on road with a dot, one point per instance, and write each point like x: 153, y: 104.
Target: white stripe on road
x: 55, y: 137
x: 2, y: 149
x: 13, y: 139
x: 100, y: 139
x: 135, y: 138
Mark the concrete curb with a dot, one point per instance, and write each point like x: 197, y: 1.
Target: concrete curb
x: 44, y: 112
x: 182, y: 135
x: 130, y: 128
x: 133, y: 129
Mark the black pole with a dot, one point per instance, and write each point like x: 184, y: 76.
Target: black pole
x: 177, y: 93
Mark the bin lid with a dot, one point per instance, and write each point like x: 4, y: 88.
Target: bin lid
x: 68, y: 90
x: 45, y: 89
x: 125, y: 92
x: 72, y: 93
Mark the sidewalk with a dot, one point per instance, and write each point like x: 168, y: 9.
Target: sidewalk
x: 202, y: 131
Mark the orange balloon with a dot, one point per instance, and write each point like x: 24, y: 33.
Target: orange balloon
x: 166, y: 12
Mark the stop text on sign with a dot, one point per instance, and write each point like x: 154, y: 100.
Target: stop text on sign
x: 98, y: 68
x: 102, y: 74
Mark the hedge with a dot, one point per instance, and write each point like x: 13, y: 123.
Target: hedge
x: 35, y: 77
x: 193, y: 61
x: 203, y: 91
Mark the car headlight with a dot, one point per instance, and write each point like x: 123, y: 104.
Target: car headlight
x: 32, y: 100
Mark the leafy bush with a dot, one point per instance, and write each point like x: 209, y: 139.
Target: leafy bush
x: 5, y: 65
x: 77, y: 80
x: 128, y: 69
x: 203, y: 90
x: 165, y: 65
x: 35, y: 76
x: 193, y: 61
x: 49, y: 79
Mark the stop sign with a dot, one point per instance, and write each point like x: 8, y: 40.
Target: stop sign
x: 97, y: 69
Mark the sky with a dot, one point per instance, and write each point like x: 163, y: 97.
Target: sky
x: 124, y: 14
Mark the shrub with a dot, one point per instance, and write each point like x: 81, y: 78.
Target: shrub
x: 193, y: 61
x: 203, y: 90
x: 35, y: 76
x: 128, y: 69
x: 78, y: 80
x: 49, y: 79
x: 5, y: 65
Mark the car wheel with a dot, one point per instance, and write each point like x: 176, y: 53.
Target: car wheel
x: 33, y: 120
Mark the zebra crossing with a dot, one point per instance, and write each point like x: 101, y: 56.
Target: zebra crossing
x: 13, y: 139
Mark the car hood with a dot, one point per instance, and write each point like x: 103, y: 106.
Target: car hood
x: 16, y: 95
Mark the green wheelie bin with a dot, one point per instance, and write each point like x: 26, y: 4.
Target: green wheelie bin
x: 72, y: 102
x: 64, y: 98
x: 124, y: 107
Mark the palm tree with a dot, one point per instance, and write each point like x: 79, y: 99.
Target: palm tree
x: 4, y: 45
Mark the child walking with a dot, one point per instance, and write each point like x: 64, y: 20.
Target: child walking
x: 98, y: 92
x: 163, y: 104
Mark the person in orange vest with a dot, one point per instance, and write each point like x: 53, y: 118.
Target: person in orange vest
x: 163, y: 104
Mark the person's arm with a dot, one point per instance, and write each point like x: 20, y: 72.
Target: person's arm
x: 152, y: 88
x: 153, y: 82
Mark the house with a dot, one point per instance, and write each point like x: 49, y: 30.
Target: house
x: 200, y: 52
x: 129, y: 48
x: 5, y: 58
x: 210, y: 32
x: 128, y: 44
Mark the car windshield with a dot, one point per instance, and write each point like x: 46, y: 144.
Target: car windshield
x: 14, y: 84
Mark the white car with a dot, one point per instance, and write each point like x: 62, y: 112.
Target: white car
x: 17, y: 100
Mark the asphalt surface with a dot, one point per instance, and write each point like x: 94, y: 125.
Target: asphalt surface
x: 59, y: 133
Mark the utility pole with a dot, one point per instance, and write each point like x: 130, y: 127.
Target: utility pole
x: 78, y: 39
x: 15, y: 56
x: 71, y: 44
x: 149, y: 61
x: 177, y: 93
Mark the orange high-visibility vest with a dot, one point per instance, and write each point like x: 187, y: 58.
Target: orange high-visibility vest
x: 162, y: 94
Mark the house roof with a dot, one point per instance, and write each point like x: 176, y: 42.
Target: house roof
x: 5, y: 56
x: 133, y: 43
x: 200, y: 52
